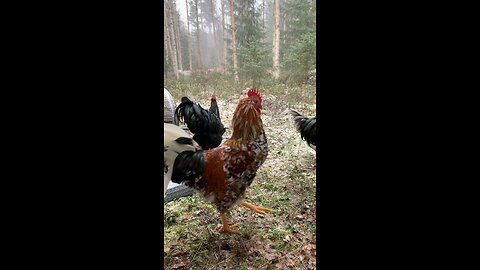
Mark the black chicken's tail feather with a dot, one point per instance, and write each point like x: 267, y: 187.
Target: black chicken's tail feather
x: 306, y: 126
x: 192, y: 114
x: 205, y: 125
x: 188, y: 167
x: 180, y: 111
x: 214, y: 108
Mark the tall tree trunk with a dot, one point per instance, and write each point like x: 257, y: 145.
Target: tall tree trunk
x: 200, y: 64
x: 215, y: 37
x: 263, y: 20
x: 224, y: 62
x: 284, y: 24
x: 234, y: 40
x: 276, y: 40
x: 314, y: 4
x: 176, y: 22
x: 188, y: 39
x: 171, y: 43
x: 166, y: 45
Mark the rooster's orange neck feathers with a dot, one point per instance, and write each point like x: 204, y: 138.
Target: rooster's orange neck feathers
x: 247, y: 124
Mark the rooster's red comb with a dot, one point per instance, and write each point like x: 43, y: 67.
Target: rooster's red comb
x: 254, y: 92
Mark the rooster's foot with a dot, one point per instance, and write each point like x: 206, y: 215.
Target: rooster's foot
x: 257, y: 209
x: 225, y: 228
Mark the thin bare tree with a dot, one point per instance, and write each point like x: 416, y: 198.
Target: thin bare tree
x: 224, y: 61
x: 215, y: 37
x: 263, y: 20
x: 170, y: 39
x: 188, y: 39
x: 176, y: 22
x: 234, y: 40
x: 276, y: 40
x: 197, y: 24
x: 166, y: 44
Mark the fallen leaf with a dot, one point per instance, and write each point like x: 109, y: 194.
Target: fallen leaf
x: 309, y: 247
x: 281, y: 266
x: 270, y: 256
x: 180, y: 252
x: 178, y: 265
x: 174, y: 242
x: 167, y: 248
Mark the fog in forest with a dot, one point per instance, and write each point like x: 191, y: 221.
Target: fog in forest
x: 269, y: 39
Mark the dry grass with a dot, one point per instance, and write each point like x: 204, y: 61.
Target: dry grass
x: 283, y: 239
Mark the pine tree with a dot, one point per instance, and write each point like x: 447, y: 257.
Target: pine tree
x: 252, y: 52
x: 299, y: 51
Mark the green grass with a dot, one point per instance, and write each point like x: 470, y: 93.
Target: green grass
x: 286, y: 183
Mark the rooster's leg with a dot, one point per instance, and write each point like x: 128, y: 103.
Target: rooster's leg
x: 225, y: 226
x: 258, y: 209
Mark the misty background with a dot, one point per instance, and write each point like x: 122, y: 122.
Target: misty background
x: 249, y: 40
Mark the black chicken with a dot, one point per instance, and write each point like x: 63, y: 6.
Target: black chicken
x: 214, y: 107
x: 205, y: 125
x: 306, y: 126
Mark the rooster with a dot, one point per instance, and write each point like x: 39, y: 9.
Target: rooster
x: 306, y: 126
x: 175, y: 141
x: 222, y: 174
x: 205, y: 125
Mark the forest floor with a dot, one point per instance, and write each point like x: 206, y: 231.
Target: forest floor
x: 284, y: 238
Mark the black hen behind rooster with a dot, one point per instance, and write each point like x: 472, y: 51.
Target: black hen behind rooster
x: 214, y: 107
x: 205, y: 125
x: 306, y: 126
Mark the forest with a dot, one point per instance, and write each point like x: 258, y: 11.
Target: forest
x: 248, y: 40
x: 223, y: 48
